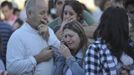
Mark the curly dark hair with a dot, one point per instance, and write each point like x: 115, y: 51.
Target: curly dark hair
x: 77, y: 7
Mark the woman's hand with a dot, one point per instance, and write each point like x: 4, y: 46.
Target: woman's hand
x: 67, y: 20
x: 64, y: 50
x: 64, y: 22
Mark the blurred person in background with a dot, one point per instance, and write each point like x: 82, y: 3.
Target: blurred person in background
x: 16, y: 12
x: 57, y: 21
x: 108, y: 3
x: 7, y: 10
x: 129, y: 6
x: 118, y: 3
x: 5, y: 31
x: 59, y: 7
x: 103, y: 4
x: 18, y: 23
x: 96, y: 12
x: 23, y: 15
x: 52, y: 10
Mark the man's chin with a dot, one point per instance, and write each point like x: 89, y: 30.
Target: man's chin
x: 70, y: 47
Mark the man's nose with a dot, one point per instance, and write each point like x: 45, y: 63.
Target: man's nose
x: 45, y: 17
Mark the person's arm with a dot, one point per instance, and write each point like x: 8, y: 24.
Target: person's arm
x: 109, y: 64
x: 88, y: 18
x: 74, y: 66
x: 16, y: 61
x: 92, y: 65
x: 59, y: 63
x: 59, y: 30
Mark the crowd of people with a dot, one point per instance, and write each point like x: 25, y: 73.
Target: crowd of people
x: 77, y: 41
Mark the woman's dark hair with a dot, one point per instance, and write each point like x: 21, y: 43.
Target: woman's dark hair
x: 77, y: 27
x: 19, y: 21
x: 85, y: 8
x: 77, y: 7
x: 16, y: 10
x: 114, y: 29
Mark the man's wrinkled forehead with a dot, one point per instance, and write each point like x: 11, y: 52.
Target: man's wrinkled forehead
x: 40, y: 3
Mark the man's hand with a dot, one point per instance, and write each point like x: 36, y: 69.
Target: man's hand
x: 43, y: 30
x: 44, y: 55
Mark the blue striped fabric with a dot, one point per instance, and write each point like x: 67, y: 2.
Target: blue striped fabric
x: 5, y: 32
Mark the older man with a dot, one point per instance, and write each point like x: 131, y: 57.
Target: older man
x: 27, y: 52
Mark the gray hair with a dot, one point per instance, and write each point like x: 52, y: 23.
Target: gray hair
x: 30, y: 5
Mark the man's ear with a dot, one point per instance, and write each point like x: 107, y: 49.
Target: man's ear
x: 29, y: 14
